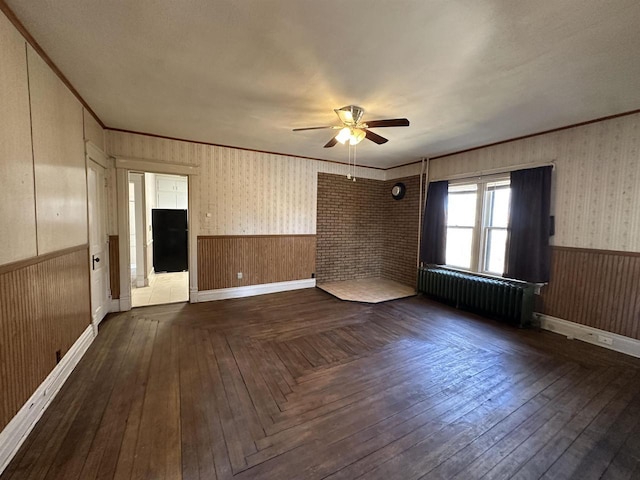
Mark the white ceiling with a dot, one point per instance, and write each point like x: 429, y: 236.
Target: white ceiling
x: 245, y: 72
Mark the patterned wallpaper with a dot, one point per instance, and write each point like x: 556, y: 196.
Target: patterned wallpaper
x: 404, y: 171
x: 244, y: 192
x: 596, y: 197
x: 596, y: 194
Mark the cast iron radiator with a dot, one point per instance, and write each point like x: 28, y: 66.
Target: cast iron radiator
x: 510, y: 300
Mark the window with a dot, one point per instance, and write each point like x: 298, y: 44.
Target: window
x: 461, y: 223
x: 477, y: 221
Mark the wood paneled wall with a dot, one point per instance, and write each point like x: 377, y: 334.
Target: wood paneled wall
x: 598, y: 288
x: 114, y: 266
x: 44, y: 307
x: 260, y: 258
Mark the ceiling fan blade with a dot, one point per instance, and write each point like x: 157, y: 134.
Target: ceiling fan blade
x: 391, y: 122
x: 374, y: 137
x: 312, y: 128
x: 331, y: 142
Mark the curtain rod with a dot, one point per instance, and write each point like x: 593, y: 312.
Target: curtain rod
x: 499, y: 170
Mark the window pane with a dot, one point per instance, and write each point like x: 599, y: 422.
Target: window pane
x: 459, y: 242
x: 499, y: 215
x: 461, y: 209
x: 496, y: 245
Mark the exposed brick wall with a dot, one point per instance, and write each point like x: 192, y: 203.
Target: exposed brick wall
x: 349, y: 229
x: 400, y: 247
x: 363, y: 232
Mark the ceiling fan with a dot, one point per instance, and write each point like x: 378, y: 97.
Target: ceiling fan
x: 354, y: 130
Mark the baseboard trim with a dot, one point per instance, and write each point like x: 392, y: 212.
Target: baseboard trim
x: 193, y: 295
x: 16, y: 432
x: 572, y: 330
x: 251, y: 290
x: 115, y: 305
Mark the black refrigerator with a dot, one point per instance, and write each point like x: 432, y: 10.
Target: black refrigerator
x: 169, y: 240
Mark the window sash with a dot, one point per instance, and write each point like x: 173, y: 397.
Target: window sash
x: 487, y: 247
x: 472, y: 259
x: 451, y: 194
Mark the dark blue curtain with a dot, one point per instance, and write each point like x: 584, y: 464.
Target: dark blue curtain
x: 433, y: 242
x: 528, y: 252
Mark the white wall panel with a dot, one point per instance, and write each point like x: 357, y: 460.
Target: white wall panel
x: 17, y: 206
x: 596, y: 181
x: 58, y: 148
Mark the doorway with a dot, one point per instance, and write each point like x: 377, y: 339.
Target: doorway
x: 158, y: 243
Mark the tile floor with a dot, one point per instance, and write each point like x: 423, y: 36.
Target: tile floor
x: 163, y: 288
x: 368, y: 290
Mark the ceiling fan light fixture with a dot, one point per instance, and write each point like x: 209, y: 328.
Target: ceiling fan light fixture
x: 344, y: 135
x: 354, y: 130
x: 351, y: 114
x: 357, y: 135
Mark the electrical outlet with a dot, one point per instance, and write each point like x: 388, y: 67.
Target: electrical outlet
x: 239, y: 275
x: 605, y: 340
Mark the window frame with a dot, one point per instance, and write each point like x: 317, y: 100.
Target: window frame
x: 480, y: 229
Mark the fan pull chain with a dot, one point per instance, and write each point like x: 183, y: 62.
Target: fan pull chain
x: 349, y: 163
x: 355, y: 151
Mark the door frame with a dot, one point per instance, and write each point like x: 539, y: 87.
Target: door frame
x: 94, y: 154
x: 140, y: 202
x: 124, y: 165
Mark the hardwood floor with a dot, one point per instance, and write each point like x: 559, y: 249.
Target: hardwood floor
x: 301, y: 385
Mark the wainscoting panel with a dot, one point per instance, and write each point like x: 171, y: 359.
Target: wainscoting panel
x: 44, y: 308
x: 597, y: 288
x: 260, y: 258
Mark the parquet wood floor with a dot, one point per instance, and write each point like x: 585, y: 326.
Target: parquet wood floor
x: 300, y: 385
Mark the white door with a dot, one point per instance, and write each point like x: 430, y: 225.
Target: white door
x: 98, y: 242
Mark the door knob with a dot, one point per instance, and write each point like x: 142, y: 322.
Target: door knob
x: 94, y: 260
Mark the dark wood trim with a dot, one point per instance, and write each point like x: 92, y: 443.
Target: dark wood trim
x: 114, y: 266
x: 553, y: 130
x: 258, y: 236
x: 597, y: 251
x: 36, y: 46
x: 10, y: 267
x: 134, y: 132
